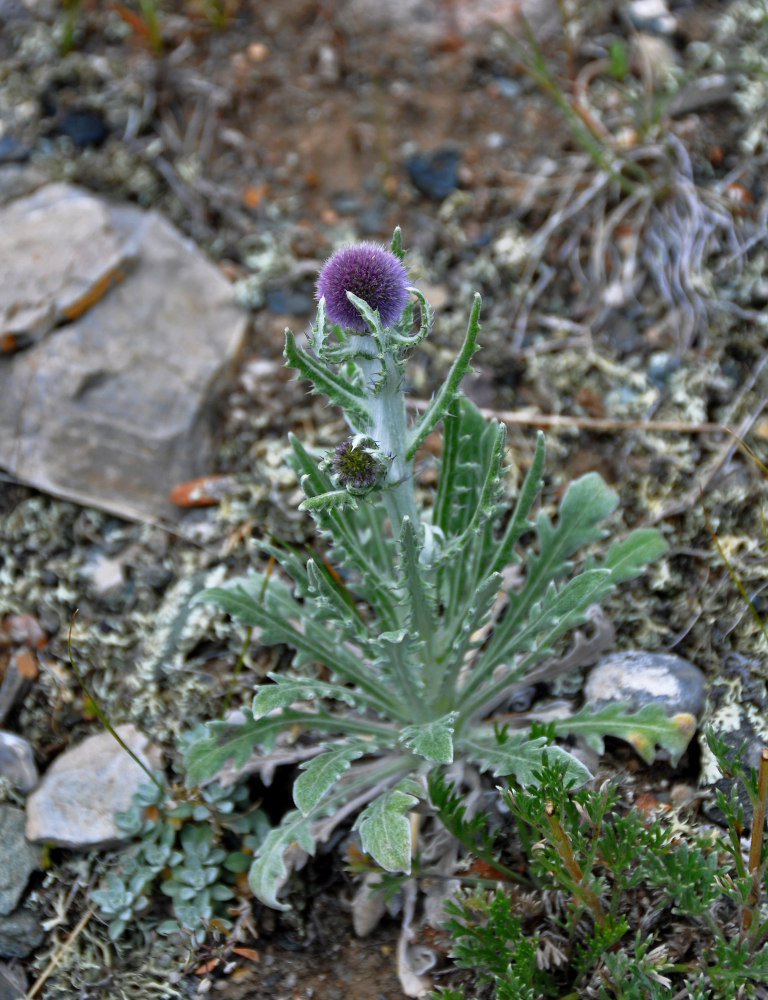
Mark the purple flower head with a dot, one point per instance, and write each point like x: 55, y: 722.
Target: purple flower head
x: 372, y: 273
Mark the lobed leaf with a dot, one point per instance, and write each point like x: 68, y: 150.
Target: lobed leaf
x: 322, y: 772
x: 341, y: 393
x: 431, y: 740
x: 445, y: 395
x: 628, y: 557
x: 285, y: 691
x: 224, y: 741
x: 332, y: 500
x: 645, y: 729
x: 269, y: 871
x: 385, y: 829
x: 521, y: 757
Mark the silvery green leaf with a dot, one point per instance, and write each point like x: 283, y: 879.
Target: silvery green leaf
x: 333, y: 598
x: 419, y: 589
x: 313, y: 642
x: 286, y: 691
x: 564, y: 608
x: 341, y: 393
x: 445, y: 395
x: 586, y: 501
x: 395, y: 637
x: 333, y: 500
x: 269, y: 871
x: 626, y: 558
x: 519, y: 522
x: 322, y: 772
x: 431, y: 740
x: 223, y: 742
x: 117, y: 927
x: 370, y: 316
x: 557, y: 612
x: 236, y: 742
x: 521, y: 757
x: 385, y: 828
x: 644, y: 730
x: 426, y: 318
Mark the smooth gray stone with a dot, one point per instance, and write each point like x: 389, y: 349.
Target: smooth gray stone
x: 75, y: 804
x: 20, y: 934
x: 18, y: 858
x: 17, y: 761
x: 114, y: 408
x: 638, y: 678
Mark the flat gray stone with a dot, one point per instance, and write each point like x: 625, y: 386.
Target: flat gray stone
x: 17, y: 761
x: 59, y: 253
x: 112, y: 409
x: 638, y: 678
x: 75, y: 804
x: 18, y: 858
x: 20, y: 934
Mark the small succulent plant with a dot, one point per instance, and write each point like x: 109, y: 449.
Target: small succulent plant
x: 191, y: 848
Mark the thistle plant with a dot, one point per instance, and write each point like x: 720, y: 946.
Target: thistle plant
x: 407, y: 640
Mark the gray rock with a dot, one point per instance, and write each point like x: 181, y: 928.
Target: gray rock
x: 20, y: 934
x: 75, y: 804
x: 18, y: 858
x: 13, y: 983
x: 638, y: 678
x: 17, y: 761
x: 59, y: 254
x: 112, y: 409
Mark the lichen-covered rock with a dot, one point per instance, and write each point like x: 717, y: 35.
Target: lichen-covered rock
x: 75, y: 804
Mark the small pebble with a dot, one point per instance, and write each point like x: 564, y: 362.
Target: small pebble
x: 17, y: 761
x: 638, y: 678
x: 652, y: 15
x: 20, y: 934
x: 288, y: 303
x: 84, y: 126
x: 434, y: 174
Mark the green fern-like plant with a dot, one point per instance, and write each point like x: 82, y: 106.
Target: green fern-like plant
x: 648, y: 907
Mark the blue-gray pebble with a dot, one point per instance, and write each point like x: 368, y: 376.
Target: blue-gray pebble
x: 638, y: 677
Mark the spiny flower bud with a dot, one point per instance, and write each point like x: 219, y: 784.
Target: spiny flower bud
x: 357, y: 465
x: 372, y: 273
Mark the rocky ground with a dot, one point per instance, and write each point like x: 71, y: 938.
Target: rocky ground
x: 624, y: 314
